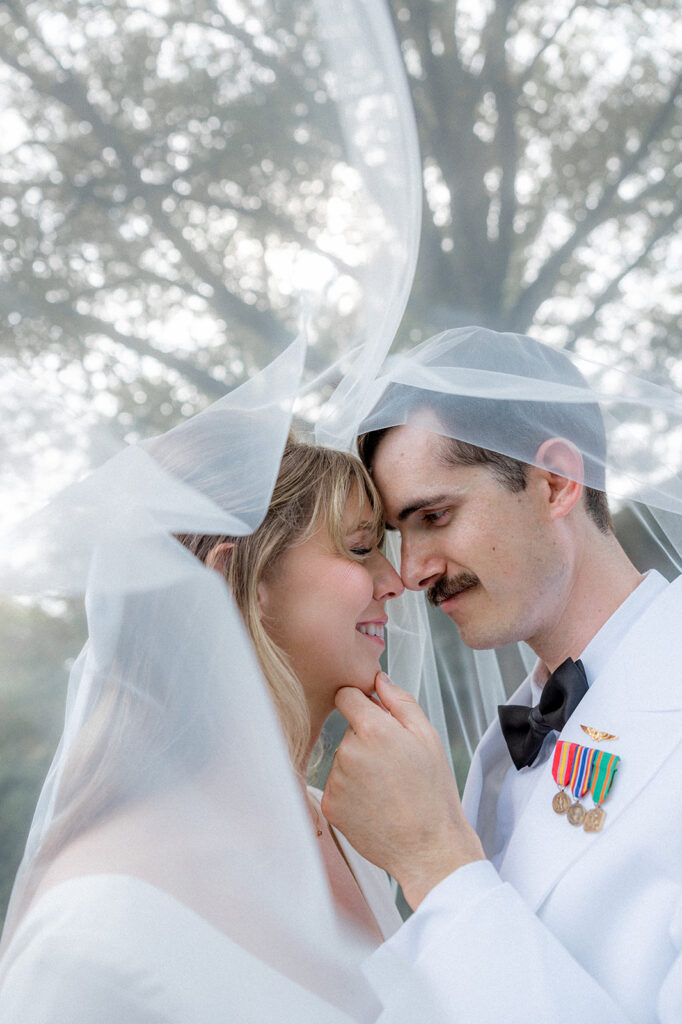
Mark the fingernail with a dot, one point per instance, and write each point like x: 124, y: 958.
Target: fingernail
x: 385, y: 679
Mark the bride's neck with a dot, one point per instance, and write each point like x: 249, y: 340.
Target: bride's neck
x: 301, y: 768
x: 316, y: 724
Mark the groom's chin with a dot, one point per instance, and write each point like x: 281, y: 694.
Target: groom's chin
x: 484, y: 639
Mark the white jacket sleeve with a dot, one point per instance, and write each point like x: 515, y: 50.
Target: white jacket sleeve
x: 483, y: 957
x: 670, y: 997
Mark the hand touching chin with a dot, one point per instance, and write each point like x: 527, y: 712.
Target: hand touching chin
x: 392, y: 793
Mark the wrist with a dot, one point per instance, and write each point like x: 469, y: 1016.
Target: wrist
x: 417, y: 880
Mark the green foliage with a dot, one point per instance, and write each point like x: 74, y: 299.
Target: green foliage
x: 37, y: 645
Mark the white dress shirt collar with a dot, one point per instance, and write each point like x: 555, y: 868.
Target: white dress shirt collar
x: 603, y: 643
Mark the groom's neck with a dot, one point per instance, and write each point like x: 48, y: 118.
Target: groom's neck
x: 602, y: 578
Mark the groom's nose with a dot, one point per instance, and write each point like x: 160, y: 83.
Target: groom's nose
x: 419, y: 568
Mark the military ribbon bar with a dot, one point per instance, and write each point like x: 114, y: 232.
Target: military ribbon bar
x: 582, y: 769
x: 562, y: 769
x: 562, y: 766
x: 604, y: 770
x: 605, y: 767
x: 581, y: 777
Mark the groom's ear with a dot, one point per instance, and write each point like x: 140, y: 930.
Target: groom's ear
x: 219, y: 556
x: 563, y: 467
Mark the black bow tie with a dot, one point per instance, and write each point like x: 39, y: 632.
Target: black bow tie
x: 525, y: 728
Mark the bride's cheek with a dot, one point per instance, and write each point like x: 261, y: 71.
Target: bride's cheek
x: 365, y: 582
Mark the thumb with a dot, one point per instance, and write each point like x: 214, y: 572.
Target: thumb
x: 402, y: 705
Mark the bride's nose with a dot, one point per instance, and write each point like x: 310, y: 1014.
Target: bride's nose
x: 387, y: 582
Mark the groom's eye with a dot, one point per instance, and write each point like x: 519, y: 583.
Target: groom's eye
x: 362, y: 552
x: 435, y: 517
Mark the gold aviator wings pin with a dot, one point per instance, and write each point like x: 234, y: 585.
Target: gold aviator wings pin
x: 597, y: 734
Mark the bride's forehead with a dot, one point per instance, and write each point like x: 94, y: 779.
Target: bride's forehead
x: 357, y: 513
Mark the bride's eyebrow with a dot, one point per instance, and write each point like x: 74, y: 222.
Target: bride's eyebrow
x: 365, y: 527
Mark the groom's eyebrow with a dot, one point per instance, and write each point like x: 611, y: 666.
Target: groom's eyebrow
x: 420, y: 503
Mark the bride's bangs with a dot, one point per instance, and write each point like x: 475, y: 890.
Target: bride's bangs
x: 350, y: 482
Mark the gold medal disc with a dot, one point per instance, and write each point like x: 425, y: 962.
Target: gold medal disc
x: 561, y: 802
x: 576, y: 813
x: 594, y: 819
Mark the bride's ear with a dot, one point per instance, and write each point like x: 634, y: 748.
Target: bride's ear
x: 263, y: 596
x: 219, y: 556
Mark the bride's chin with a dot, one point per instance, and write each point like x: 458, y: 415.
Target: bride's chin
x: 366, y: 682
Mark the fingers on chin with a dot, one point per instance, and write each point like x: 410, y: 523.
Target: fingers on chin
x: 349, y: 699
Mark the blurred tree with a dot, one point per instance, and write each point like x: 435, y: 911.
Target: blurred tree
x: 550, y: 136
x: 163, y: 162
x: 162, y: 157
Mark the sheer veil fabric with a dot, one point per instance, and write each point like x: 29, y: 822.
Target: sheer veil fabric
x: 172, y: 772
x: 171, y: 756
x: 508, y: 393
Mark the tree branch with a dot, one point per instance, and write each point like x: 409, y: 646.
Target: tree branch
x: 452, y: 94
x: 521, y: 315
x: 497, y: 71
x: 585, y: 325
x: 38, y: 307
x: 537, y: 57
x: 68, y: 91
x: 655, y: 190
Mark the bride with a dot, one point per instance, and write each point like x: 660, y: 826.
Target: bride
x: 312, y: 585
x: 177, y: 869
x: 172, y: 871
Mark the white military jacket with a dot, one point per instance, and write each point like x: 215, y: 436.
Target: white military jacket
x: 574, y: 926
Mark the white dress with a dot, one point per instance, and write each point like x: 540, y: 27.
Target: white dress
x: 69, y: 961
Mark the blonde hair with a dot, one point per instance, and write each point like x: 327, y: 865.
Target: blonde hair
x: 133, y: 717
x: 312, y: 491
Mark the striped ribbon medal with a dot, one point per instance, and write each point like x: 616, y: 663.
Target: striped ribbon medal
x: 562, y: 769
x: 603, y: 771
x: 581, y: 778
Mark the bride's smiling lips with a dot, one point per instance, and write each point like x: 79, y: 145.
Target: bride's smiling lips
x: 373, y: 629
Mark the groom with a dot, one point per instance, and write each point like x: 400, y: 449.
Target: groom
x: 521, y: 915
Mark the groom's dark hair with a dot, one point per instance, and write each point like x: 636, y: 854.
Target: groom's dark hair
x: 527, y: 423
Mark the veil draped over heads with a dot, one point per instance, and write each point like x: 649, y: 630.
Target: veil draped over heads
x: 171, y: 757
x: 172, y: 761
x: 508, y: 394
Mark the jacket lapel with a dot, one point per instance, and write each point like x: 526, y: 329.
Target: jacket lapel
x: 489, y: 766
x: 637, y: 697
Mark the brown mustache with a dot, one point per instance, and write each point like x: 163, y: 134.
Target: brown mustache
x: 450, y: 586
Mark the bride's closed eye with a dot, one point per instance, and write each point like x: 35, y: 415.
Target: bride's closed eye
x: 362, y: 552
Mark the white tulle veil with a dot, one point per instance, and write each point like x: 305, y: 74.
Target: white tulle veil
x: 170, y: 743
x: 508, y: 393
x: 171, y: 754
